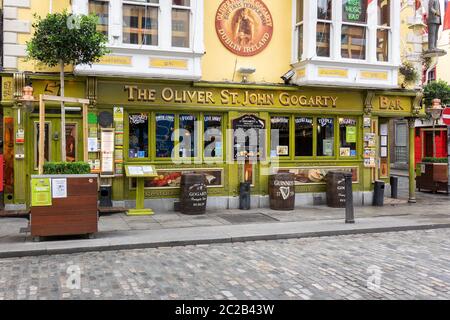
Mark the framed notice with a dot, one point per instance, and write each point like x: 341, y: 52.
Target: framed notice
x: 383, y: 152
x: 41, y: 192
x: 107, y: 152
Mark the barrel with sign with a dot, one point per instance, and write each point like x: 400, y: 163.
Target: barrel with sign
x: 282, y: 191
x: 194, y: 194
x: 336, y: 196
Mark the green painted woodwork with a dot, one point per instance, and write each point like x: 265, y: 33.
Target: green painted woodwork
x: 412, y: 180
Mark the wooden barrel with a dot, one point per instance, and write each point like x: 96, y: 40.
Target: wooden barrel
x: 282, y: 191
x: 194, y: 194
x: 336, y: 189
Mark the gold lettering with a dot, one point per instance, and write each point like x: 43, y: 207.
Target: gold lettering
x: 142, y: 95
x: 167, y: 94
x: 284, y: 99
x: 319, y: 101
x: 191, y: 95
x: 201, y: 97
x: 130, y: 92
x: 303, y: 100
x: 225, y: 96
x: 384, y: 103
x: 334, y: 99
x: 209, y: 97
x: 152, y: 95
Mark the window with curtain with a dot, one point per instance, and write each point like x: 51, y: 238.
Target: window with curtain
x: 181, y: 12
x: 101, y: 9
x: 140, y: 22
x: 323, y: 35
x: 354, y: 29
x: 383, y: 30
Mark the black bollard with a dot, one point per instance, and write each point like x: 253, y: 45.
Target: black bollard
x: 394, y: 187
x: 349, y: 211
x: 244, y: 196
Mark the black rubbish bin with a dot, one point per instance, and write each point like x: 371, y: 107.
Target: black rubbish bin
x: 244, y: 196
x: 105, y: 196
x: 378, y: 194
x: 394, y: 187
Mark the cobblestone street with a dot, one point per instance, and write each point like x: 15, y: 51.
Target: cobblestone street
x: 402, y: 265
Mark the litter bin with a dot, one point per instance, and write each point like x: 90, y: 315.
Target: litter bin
x: 378, y: 194
x: 394, y: 187
x: 105, y: 196
x: 194, y: 194
x: 282, y: 191
x: 336, y: 197
x: 244, y: 196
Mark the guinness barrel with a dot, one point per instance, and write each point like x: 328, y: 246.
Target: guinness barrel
x: 336, y: 189
x: 282, y: 191
x: 194, y: 194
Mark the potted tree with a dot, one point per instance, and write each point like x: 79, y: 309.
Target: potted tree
x: 64, y: 197
x: 432, y: 173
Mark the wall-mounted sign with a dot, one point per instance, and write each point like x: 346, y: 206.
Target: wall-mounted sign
x: 244, y: 27
x: 20, y: 136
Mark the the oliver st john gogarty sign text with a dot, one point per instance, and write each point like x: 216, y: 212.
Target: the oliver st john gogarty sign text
x: 228, y: 97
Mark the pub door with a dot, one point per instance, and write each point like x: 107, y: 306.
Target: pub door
x: 53, y: 134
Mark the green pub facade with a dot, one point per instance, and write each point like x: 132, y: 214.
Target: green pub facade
x: 184, y: 126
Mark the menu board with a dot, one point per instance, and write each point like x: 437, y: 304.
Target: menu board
x: 107, y: 152
x: 140, y: 171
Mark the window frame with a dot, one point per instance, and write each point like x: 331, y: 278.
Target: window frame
x: 389, y: 33
x: 331, y: 23
x: 314, y: 136
x: 202, y: 136
x: 356, y: 118
x: 298, y: 26
x: 126, y: 138
x: 291, y: 150
x: 108, y: 27
x: 190, y: 26
x: 142, y: 4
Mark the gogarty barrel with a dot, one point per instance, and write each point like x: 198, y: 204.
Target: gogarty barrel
x: 282, y: 191
x: 194, y: 194
x: 336, y: 196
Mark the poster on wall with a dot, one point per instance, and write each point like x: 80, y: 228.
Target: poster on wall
x: 41, y: 192
x: 350, y: 134
x: 59, y: 188
x: 107, y: 152
x: 317, y: 175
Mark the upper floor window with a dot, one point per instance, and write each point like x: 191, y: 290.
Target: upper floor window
x: 354, y: 29
x: 324, y: 16
x: 343, y: 29
x: 101, y: 9
x: 140, y: 22
x: 383, y: 30
x: 180, y: 23
x: 299, y: 28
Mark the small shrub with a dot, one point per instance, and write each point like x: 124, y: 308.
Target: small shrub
x: 434, y: 160
x: 66, y: 168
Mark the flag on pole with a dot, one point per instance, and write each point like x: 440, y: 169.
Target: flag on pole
x: 447, y: 15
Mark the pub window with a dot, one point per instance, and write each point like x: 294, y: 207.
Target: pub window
x: 71, y: 142
x: 140, y: 22
x: 101, y: 9
x: 213, y: 136
x: 299, y: 29
x: 324, y: 16
x: 354, y: 29
x: 180, y: 23
x: 383, y: 30
x: 280, y: 140
x: 188, y: 135
x: 325, y: 137
x: 347, y: 137
x: 165, y: 124
x: 138, y: 135
x: 303, y: 137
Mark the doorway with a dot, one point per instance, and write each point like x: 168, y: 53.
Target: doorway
x: 53, y: 135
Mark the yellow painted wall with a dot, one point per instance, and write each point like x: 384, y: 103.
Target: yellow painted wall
x: 219, y: 63
x: 41, y: 8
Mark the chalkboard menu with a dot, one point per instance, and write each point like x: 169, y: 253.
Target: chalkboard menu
x: 249, y: 137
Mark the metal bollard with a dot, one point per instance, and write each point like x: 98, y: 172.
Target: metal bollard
x: 244, y: 196
x: 394, y: 187
x: 349, y: 211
